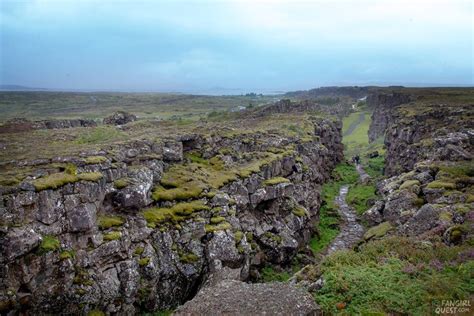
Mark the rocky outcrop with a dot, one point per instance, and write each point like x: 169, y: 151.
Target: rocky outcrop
x: 303, y: 106
x: 353, y: 92
x: 434, y: 200
x: 93, y: 237
x: 436, y: 132
x: 383, y: 105
x: 120, y: 118
x: 417, y: 126
x: 23, y: 125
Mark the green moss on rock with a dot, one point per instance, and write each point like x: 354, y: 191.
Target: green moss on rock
x: 188, y: 258
x: 174, y: 214
x: 409, y: 183
x: 138, y: 251
x: 217, y: 219
x: 57, y: 180
x: 54, y: 181
x: 143, y: 262
x: 112, y: 236
x: 299, y: 211
x: 221, y: 226
x: 238, y: 235
x: 49, y: 243
x: 122, y: 183
x: 106, y: 222
x: 275, y: 181
x: 378, y: 231
x: 90, y: 176
x: 439, y: 184
x: 66, y: 254
x: 93, y: 160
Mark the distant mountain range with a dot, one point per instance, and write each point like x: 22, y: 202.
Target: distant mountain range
x: 14, y: 87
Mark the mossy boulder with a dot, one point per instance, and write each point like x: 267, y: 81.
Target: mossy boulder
x: 378, y: 231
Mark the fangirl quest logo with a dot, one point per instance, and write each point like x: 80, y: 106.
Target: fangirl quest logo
x: 452, y: 307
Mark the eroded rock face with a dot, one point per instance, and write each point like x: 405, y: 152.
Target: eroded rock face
x: 105, y: 254
x: 231, y: 297
x: 383, y: 105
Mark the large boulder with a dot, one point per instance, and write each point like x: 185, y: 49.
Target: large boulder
x: 119, y: 118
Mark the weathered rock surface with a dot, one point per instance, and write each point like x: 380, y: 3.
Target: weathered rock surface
x: 106, y: 256
x: 231, y: 297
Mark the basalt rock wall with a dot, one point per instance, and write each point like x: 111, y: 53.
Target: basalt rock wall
x: 86, y: 245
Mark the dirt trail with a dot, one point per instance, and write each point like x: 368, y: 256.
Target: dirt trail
x: 351, y: 231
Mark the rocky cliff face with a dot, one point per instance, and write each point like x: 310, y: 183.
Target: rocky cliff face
x: 383, y: 105
x: 437, y: 132
x: 124, y: 230
x: 429, y: 160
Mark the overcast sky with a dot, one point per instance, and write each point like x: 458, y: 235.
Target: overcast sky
x: 200, y: 46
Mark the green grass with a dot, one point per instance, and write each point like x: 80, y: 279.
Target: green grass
x: 394, y: 276
x: 359, y: 138
x: 99, y: 135
x: 49, y: 243
x: 349, y: 120
x: 327, y: 227
x: 374, y: 166
x: 358, y: 196
x: 268, y: 274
